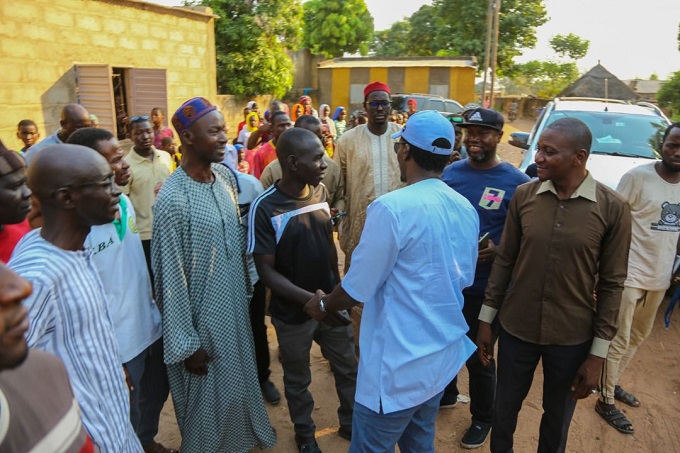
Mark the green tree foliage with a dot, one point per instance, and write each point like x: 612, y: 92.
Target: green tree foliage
x: 570, y: 46
x: 336, y: 27
x: 251, y: 40
x: 544, y: 78
x: 448, y: 28
x: 392, y: 42
x: 548, y: 78
x: 669, y: 94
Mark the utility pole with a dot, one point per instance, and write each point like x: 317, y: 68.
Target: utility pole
x: 487, y: 53
x: 496, y: 16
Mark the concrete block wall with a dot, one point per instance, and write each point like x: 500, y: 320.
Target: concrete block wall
x: 42, y: 40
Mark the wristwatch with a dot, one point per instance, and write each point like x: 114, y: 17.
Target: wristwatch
x: 322, y: 305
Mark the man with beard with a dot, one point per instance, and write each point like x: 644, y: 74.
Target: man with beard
x: 652, y: 192
x: 290, y: 235
x: 489, y: 185
x: 119, y: 258
x: 203, y: 291
x: 68, y: 310
x: 38, y: 406
x: 416, y: 255
x: 149, y: 168
x: 563, y: 232
x: 369, y: 167
x: 73, y: 117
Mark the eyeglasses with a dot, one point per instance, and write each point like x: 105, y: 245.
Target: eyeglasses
x: 135, y: 119
x: 108, y: 184
x: 377, y: 104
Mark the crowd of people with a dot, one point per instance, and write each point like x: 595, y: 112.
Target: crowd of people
x: 137, y: 275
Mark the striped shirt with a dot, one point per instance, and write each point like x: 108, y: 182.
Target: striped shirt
x: 68, y: 318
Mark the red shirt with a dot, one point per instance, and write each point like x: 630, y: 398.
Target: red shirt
x: 9, y: 236
x: 264, y: 156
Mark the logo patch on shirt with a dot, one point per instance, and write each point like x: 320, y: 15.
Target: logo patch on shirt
x: 492, y: 198
x: 670, y: 218
x: 132, y: 225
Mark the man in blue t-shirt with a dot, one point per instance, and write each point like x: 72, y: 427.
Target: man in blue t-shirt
x: 488, y: 184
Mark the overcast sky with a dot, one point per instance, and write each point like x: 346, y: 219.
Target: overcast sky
x: 630, y: 38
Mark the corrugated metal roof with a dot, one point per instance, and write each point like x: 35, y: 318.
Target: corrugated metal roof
x: 436, y: 62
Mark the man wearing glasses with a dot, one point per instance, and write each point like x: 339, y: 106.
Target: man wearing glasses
x: 369, y: 169
x: 67, y: 310
x: 149, y: 168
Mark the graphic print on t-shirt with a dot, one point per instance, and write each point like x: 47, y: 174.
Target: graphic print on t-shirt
x: 491, y: 198
x: 670, y: 218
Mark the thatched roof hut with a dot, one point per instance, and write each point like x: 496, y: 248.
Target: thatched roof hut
x: 599, y: 83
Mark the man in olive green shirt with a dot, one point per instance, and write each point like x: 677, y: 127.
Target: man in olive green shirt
x: 562, y: 233
x: 149, y: 168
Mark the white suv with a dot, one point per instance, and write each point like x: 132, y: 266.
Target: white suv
x: 624, y: 135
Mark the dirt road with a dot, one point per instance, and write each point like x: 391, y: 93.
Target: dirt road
x: 653, y: 375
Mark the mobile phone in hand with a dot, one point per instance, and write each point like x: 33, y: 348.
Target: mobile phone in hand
x: 484, y: 240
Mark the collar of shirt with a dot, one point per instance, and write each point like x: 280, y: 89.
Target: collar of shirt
x: 585, y: 190
x: 134, y: 156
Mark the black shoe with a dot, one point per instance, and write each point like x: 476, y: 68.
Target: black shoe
x: 270, y: 393
x: 345, y: 433
x: 448, y: 403
x: 306, y: 446
x: 475, y: 436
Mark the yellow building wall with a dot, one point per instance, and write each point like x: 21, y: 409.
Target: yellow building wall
x: 417, y: 80
x: 379, y: 75
x: 462, y: 85
x: 41, y: 40
x: 340, y: 87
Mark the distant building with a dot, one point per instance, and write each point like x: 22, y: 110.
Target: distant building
x: 645, y: 90
x: 599, y: 83
x: 111, y: 56
x: 341, y: 81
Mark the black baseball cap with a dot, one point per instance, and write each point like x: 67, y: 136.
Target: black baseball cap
x: 484, y: 117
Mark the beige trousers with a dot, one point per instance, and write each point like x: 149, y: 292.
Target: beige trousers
x: 636, y: 318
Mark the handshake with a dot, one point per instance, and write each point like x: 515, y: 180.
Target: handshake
x: 332, y: 318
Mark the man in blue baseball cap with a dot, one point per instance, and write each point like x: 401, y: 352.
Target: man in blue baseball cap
x: 409, y: 271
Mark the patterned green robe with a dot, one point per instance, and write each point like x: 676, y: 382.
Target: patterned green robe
x: 203, y: 291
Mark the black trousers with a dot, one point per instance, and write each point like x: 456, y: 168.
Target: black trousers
x: 482, y: 382
x: 257, y: 313
x: 517, y: 361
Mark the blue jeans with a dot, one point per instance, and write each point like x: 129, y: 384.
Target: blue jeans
x: 149, y: 380
x: 412, y: 429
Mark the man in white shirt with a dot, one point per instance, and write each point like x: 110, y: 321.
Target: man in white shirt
x: 652, y: 192
x: 409, y: 270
